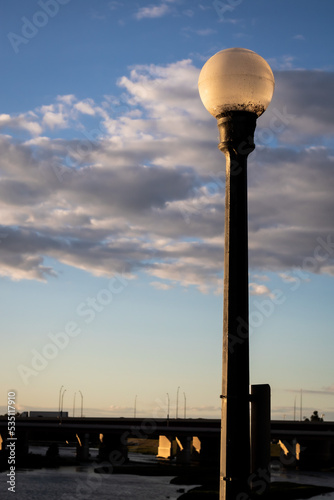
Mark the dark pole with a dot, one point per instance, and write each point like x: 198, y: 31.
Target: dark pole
x: 81, y: 403
x: 260, y: 436
x: 62, y: 404
x: 59, y: 401
x: 185, y: 405
x: 237, y: 141
x: 74, y: 404
x: 167, y: 406
x: 177, y: 402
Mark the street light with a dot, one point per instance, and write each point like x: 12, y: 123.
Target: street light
x: 236, y: 86
x: 177, y: 402
x: 168, y: 402
x: 59, y: 400
x: 185, y: 405
x: 62, y: 404
x: 74, y: 404
x: 81, y: 404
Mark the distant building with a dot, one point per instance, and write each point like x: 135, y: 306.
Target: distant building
x: 44, y: 414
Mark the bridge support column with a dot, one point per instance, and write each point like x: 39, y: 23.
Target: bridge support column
x: 290, y: 453
x: 184, y: 449
x: 196, y: 451
x: 166, y: 447
x: 83, y: 447
x: 315, y: 452
x: 113, y: 448
x: 210, y: 450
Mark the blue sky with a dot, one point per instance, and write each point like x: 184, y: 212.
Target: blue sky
x: 112, y: 205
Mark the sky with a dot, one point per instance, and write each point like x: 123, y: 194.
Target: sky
x: 112, y: 207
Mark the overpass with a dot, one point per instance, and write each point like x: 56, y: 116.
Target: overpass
x: 190, y: 437
x: 113, y: 433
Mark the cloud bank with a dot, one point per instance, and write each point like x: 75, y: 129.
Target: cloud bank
x: 136, y: 182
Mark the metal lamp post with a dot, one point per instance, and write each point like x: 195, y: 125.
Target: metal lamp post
x: 81, y: 404
x: 59, y: 400
x: 235, y: 85
x: 177, y: 402
x: 185, y: 405
x: 62, y: 403
x: 168, y: 403
x: 74, y: 404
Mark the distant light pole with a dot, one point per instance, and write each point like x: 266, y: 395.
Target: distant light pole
x: 59, y: 400
x: 62, y: 403
x: 81, y: 404
x: 135, y: 407
x: 236, y: 86
x: 74, y: 404
x: 177, y: 402
x: 168, y: 403
x: 185, y: 405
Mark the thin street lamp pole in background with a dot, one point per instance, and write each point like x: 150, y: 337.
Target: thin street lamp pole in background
x: 177, y: 402
x: 168, y: 403
x: 81, y: 404
x: 185, y: 405
x: 59, y: 400
x: 62, y: 403
x: 236, y: 86
x: 135, y: 407
x: 74, y: 404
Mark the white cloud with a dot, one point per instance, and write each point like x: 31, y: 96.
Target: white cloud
x: 53, y: 120
x: 22, y: 121
x: 258, y: 289
x: 260, y: 277
x: 54, y: 116
x: 152, y: 11
x: 148, y: 193
x: 285, y: 62
x: 299, y: 37
x: 288, y: 278
x: 206, y: 32
x: 160, y: 286
x: 86, y: 107
x: 67, y: 99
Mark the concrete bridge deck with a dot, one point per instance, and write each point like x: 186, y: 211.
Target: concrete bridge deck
x: 154, y: 427
x: 316, y: 437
